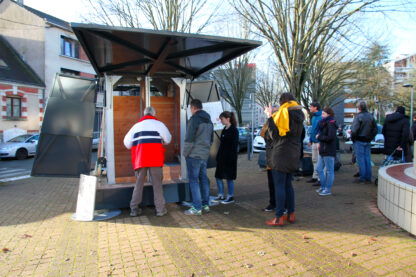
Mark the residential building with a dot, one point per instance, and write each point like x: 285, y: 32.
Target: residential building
x: 401, y: 67
x: 45, y: 43
x: 21, y: 91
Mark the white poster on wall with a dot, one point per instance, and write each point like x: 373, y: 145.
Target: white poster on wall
x: 214, y: 109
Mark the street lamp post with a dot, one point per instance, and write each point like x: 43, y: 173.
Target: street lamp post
x: 407, y: 85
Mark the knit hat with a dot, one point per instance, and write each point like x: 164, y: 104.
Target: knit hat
x: 400, y: 109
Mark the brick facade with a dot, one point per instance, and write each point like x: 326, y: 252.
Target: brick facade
x: 31, y: 108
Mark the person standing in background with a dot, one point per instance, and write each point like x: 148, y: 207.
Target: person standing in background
x: 363, y: 131
x: 198, y: 140
x: 327, y: 151
x: 227, y: 158
x: 315, y: 109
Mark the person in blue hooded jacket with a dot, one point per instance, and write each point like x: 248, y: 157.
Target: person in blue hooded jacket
x: 315, y: 109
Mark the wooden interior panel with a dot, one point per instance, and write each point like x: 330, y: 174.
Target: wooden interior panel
x: 126, y: 113
x: 165, y: 112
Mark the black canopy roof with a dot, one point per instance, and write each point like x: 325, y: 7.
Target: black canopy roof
x: 14, y: 69
x: 142, y: 52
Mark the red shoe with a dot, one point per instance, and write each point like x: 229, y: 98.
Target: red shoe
x: 276, y: 221
x: 291, y: 218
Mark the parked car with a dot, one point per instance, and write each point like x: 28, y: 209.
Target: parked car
x: 19, y: 147
x: 259, y: 144
x: 377, y: 145
x: 346, y: 132
x: 243, y: 137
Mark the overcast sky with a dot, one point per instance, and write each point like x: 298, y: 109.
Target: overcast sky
x: 399, y: 31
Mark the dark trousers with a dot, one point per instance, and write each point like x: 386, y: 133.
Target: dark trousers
x: 284, y: 193
x: 272, y: 198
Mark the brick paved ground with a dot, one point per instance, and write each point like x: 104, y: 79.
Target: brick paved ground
x: 340, y: 235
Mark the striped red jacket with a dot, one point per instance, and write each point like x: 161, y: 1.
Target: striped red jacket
x: 146, y: 139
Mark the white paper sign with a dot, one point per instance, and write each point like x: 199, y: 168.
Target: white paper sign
x: 86, y: 198
x: 214, y: 109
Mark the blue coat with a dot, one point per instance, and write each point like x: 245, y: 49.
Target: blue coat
x: 315, y: 119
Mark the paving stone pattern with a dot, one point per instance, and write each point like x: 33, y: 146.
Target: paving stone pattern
x: 339, y: 235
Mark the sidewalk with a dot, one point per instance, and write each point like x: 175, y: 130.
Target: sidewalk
x: 339, y: 235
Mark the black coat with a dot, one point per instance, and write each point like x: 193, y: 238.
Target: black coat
x: 285, y: 151
x: 227, y: 154
x: 396, y: 133
x: 328, y: 137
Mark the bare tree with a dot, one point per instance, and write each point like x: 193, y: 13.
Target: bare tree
x: 329, y: 76
x: 373, y: 81
x: 236, y: 79
x: 268, y: 89
x: 298, y: 30
x: 170, y: 15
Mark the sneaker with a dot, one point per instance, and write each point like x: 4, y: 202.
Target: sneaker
x: 135, y: 212
x: 318, y: 183
x: 319, y: 190
x: 162, y: 212
x: 229, y: 200
x: 324, y: 193
x: 269, y: 208
x: 313, y: 180
x: 193, y: 211
x: 356, y: 175
x: 219, y: 198
x: 206, y: 209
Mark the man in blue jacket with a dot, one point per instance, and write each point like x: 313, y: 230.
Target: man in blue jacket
x: 315, y: 109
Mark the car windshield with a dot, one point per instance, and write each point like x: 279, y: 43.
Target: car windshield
x: 21, y: 138
x: 243, y: 131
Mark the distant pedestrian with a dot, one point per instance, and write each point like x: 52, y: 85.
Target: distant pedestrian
x: 268, y: 140
x: 327, y: 151
x: 315, y: 109
x: 227, y: 158
x: 146, y: 139
x: 363, y: 131
x: 198, y: 140
x: 396, y: 131
x: 414, y: 127
x: 285, y: 127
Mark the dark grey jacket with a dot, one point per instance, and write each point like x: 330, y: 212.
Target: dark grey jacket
x: 283, y: 153
x: 364, y: 127
x: 198, y: 138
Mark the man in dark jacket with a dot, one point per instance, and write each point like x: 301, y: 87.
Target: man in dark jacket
x: 363, y: 131
x: 198, y: 140
x: 396, y: 133
x: 285, y: 128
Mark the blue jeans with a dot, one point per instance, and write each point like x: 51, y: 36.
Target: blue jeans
x: 230, y: 185
x: 198, y: 182
x: 284, y: 193
x: 326, y: 162
x: 362, y: 152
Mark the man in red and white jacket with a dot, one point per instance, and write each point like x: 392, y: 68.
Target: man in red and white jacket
x: 146, y: 139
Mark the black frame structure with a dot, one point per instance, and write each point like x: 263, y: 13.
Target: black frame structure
x: 142, y: 52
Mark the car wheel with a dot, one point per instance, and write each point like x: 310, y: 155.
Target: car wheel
x: 21, y: 154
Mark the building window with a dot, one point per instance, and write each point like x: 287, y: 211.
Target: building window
x: 14, y: 107
x: 69, y: 47
x: 70, y: 72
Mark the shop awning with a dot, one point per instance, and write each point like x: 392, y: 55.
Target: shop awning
x: 142, y: 52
